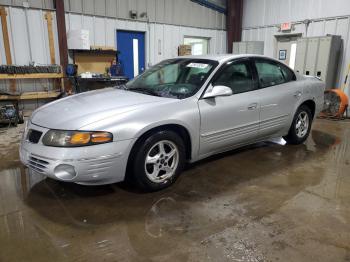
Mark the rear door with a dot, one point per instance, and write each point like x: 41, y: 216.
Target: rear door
x: 278, y: 97
x: 228, y: 121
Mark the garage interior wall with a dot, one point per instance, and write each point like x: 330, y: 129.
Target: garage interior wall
x: 261, y: 19
x: 167, y: 24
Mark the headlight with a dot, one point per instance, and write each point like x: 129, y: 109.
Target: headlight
x: 61, y: 138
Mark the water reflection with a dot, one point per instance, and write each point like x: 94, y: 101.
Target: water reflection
x: 112, y: 221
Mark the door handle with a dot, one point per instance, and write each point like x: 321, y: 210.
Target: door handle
x: 253, y: 106
x: 297, y: 94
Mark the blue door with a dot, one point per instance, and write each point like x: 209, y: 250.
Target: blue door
x: 131, y: 46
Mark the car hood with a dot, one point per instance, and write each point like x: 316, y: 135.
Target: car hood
x: 74, y: 112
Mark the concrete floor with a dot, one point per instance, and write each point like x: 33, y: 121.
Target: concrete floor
x: 268, y: 202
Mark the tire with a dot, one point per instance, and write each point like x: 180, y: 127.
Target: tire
x: 165, y: 151
x: 301, y: 126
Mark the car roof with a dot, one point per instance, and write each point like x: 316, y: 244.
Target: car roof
x: 222, y: 57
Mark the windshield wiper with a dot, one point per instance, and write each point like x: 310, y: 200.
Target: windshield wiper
x: 122, y: 87
x: 144, y: 91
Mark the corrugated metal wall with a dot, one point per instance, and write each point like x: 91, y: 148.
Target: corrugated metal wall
x: 28, y: 45
x: 174, y: 12
x: 261, y: 19
x: 162, y: 40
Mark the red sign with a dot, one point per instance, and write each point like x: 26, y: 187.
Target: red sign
x: 286, y: 26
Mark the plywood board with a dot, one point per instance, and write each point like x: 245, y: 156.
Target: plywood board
x: 93, y: 62
x: 48, y: 17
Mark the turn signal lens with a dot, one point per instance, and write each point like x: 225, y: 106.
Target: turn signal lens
x: 80, y: 138
x: 62, y: 138
x: 101, y: 137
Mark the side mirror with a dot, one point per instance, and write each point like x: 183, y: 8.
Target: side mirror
x: 218, y: 91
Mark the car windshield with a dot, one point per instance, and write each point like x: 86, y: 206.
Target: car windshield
x: 175, y: 78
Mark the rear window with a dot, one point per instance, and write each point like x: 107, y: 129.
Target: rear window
x: 273, y: 73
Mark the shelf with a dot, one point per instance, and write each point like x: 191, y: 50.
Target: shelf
x: 94, y: 51
x: 31, y: 96
x: 31, y: 76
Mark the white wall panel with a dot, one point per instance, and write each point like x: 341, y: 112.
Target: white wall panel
x: 100, y: 31
x: 175, y: 12
x: 328, y: 17
x: 87, y: 23
x: 268, y: 12
x: 75, y: 21
x: 316, y: 28
x: 110, y: 32
x: 19, y: 38
x: 159, y: 37
x: 40, y: 53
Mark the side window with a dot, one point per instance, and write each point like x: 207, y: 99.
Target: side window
x: 237, y: 76
x: 288, y: 74
x: 269, y: 73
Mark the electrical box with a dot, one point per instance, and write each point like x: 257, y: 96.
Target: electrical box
x: 248, y: 47
x: 319, y: 56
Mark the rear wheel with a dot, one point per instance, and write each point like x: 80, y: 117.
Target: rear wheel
x: 158, y: 160
x: 301, y: 126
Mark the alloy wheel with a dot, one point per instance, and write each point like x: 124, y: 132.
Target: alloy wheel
x: 302, y: 124
x: 161, y: 161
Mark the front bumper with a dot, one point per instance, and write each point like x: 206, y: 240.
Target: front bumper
x: 90, y: 165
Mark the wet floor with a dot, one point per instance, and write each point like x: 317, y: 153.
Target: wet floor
x: 267, y: 202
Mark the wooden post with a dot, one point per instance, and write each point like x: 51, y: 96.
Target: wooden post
x: 234, y: 22
x: 48, y: 17
x: 5, y: 35
x: 62, y: 40
x: 62, y: 35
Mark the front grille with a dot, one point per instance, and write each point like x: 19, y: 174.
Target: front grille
x: 34, y: 136
x: 37, y: 164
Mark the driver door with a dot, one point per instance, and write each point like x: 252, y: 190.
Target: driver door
x: 229, y: 121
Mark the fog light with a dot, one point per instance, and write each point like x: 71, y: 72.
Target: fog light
x: 65, y: 172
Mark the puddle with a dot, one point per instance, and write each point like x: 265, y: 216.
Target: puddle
x: 254, y: 203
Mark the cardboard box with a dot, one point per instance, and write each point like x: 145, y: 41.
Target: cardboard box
x: 185, y: 50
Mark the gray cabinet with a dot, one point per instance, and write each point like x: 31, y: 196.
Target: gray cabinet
x: 248, y: 47
x: 319, y: 56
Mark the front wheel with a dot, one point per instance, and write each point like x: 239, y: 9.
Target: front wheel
x: 301, y: 126
x: 158, y: 161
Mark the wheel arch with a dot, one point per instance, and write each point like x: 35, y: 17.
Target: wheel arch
x: 181, y: 130
x: 311, y: 105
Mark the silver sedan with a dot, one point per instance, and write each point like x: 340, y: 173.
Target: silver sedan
x: 180, y: 110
